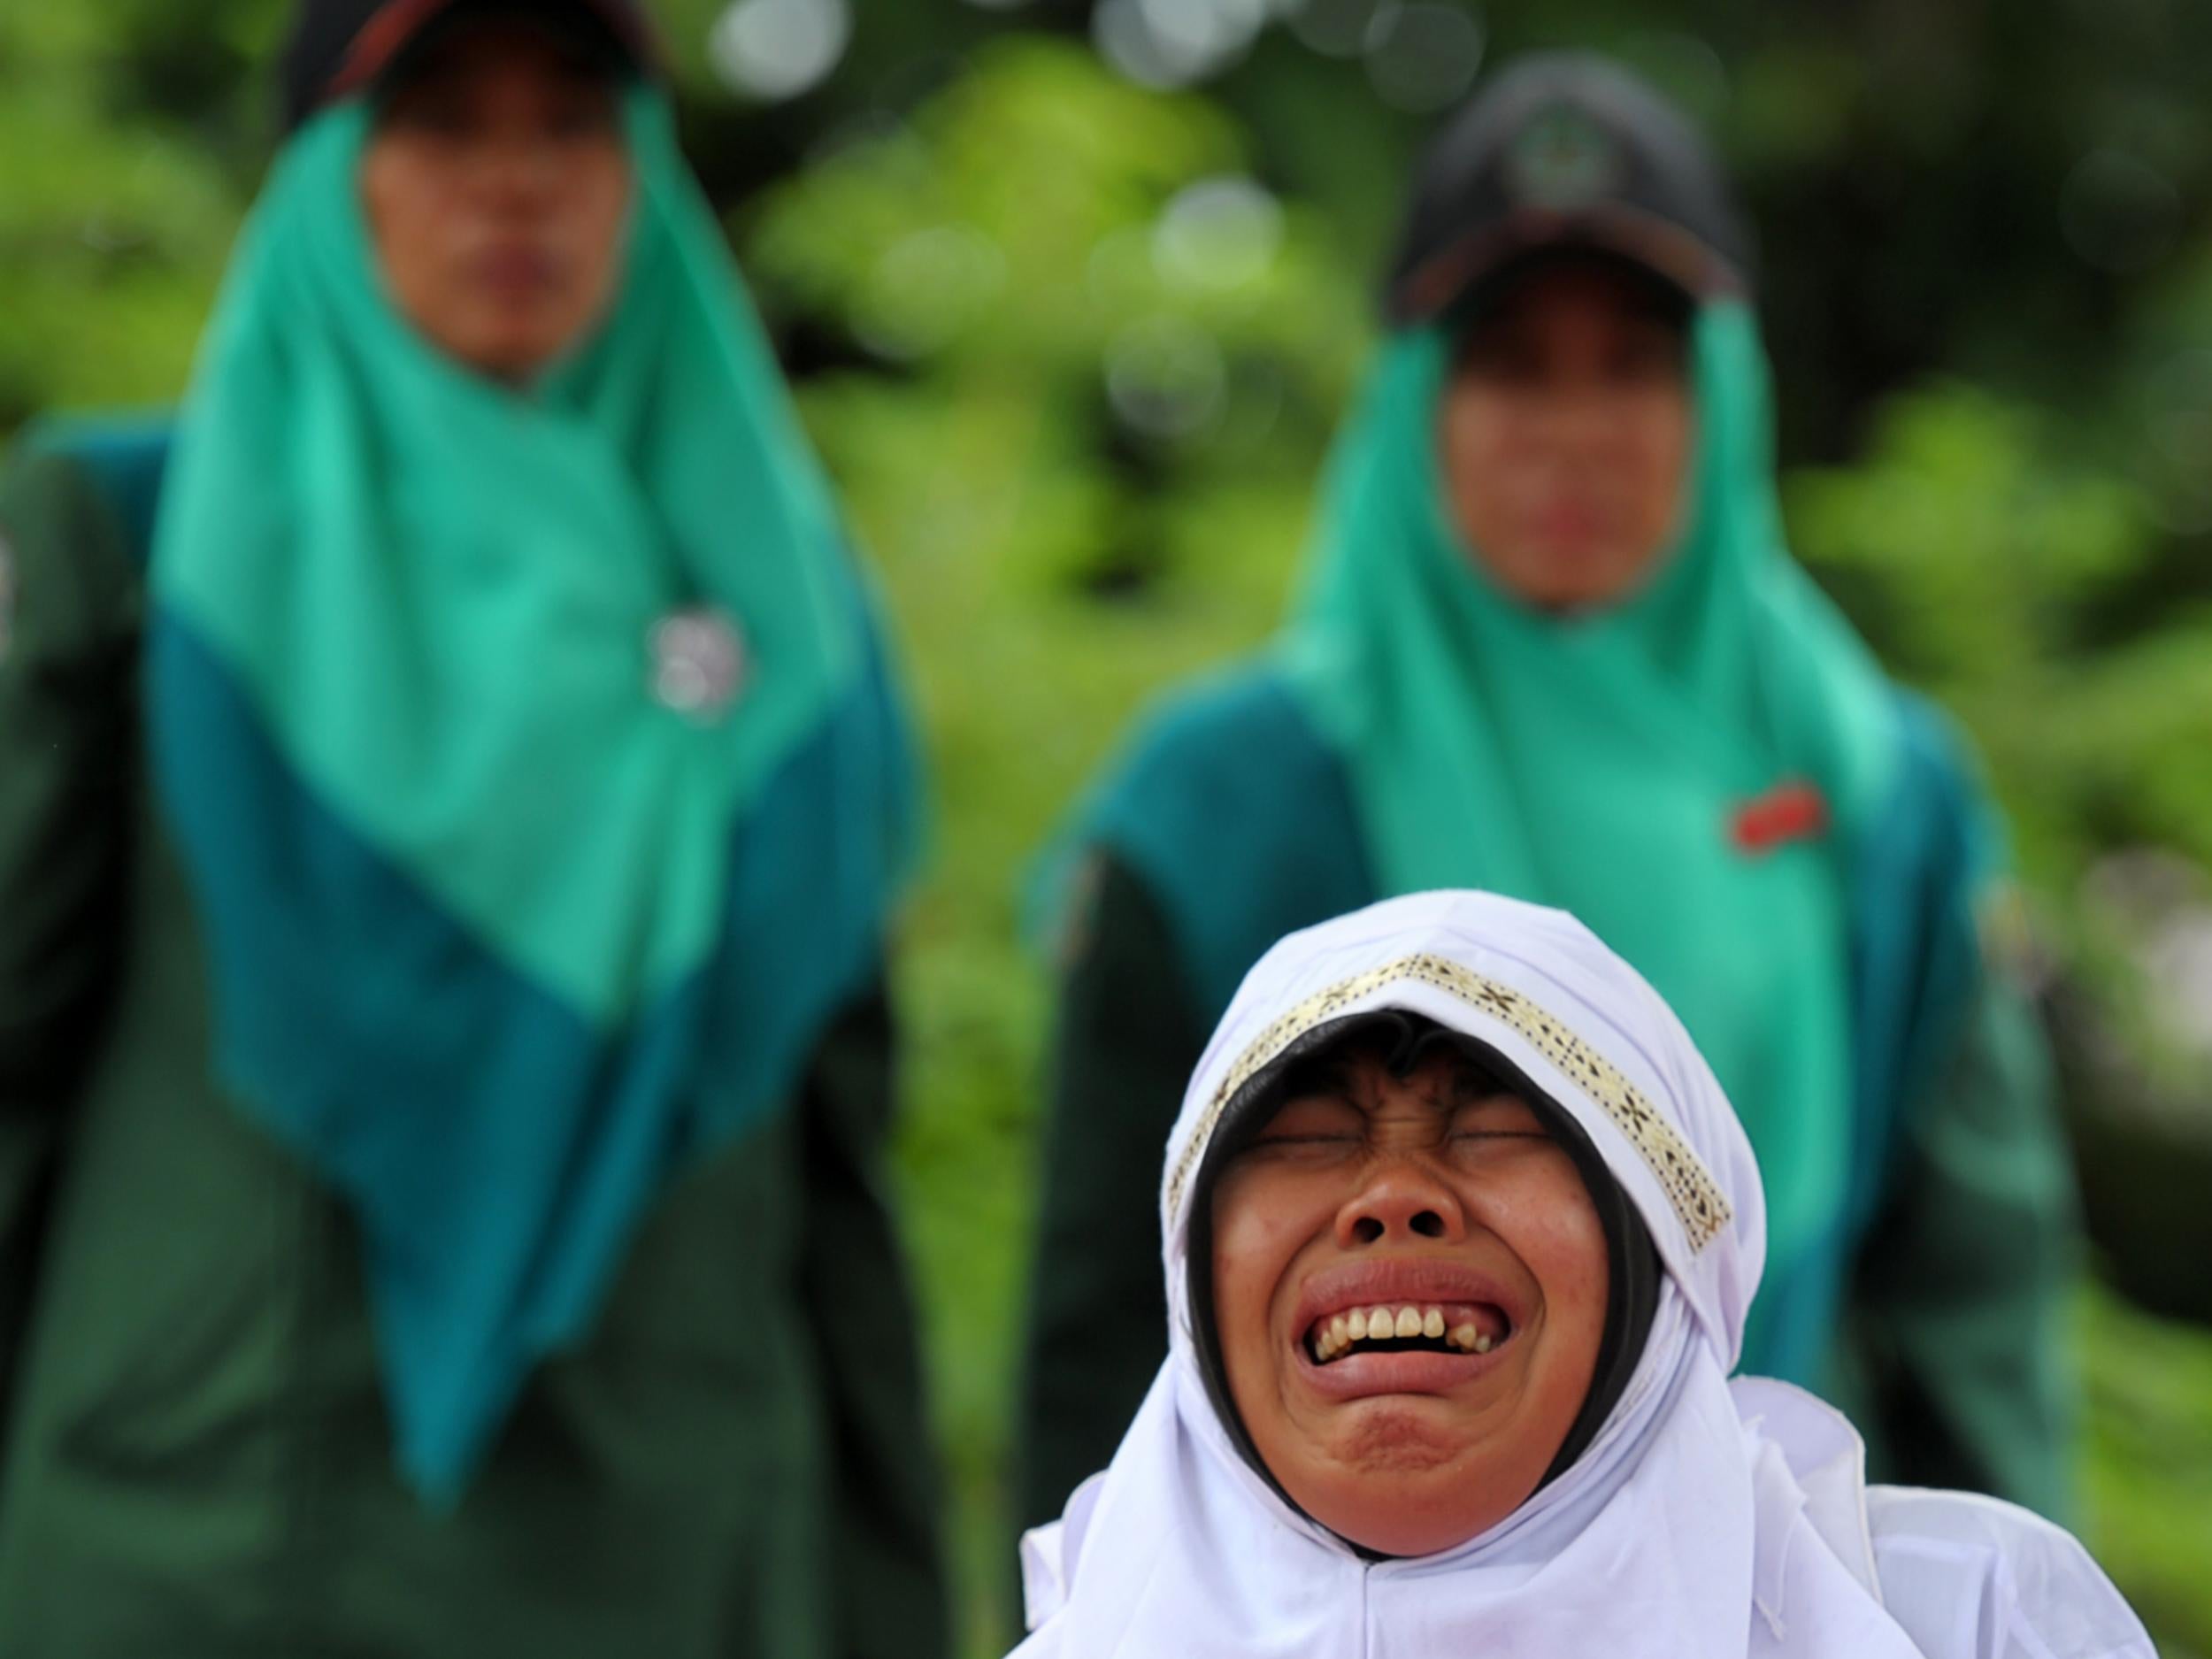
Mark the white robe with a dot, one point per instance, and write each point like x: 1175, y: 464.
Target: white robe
x: 1707, y: 1518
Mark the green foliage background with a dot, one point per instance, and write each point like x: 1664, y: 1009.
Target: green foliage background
x: 1078, y: 422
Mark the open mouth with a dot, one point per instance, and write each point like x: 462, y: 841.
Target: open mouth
x: 1408, y: 1328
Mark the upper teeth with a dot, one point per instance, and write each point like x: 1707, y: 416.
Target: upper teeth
x: 1368, y: 1325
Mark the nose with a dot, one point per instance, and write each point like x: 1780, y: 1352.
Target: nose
x: 1402, y: 1202
x: 1578, y: 416
x: 519, y: 172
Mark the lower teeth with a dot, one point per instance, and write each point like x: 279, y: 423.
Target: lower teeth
x: 1481, y: 1343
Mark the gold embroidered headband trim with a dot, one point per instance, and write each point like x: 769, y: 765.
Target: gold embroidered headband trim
x: 1689, y: 1187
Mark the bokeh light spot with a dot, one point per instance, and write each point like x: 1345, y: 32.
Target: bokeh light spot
x: 1422, y: 58
x: 928, y: 289
x: 774, y: 50
x: 1175, y: 43
x: 1220, y: 232
x: 1337, y: 29
x: 1166, y: 378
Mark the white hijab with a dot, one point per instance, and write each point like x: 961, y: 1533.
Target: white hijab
x: 1703, y: 1520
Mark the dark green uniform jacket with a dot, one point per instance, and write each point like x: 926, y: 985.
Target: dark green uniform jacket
x: 197, y: 1462
x: 1950, y: 1263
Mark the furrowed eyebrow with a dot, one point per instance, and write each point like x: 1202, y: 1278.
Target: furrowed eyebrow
x: 1471, y: 1085
x: 1318, y: 1074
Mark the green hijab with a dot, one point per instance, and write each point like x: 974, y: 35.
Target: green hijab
x: 461, y: 546
x: 1600, y: 762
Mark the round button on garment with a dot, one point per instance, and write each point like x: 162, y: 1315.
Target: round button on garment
x: 698, y: 658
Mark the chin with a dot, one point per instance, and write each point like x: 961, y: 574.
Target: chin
x: 1577, y: 576
x: 1584, y: 596
x: 1407, y: 1526
x: 511, y: 355
x: 1401, y: 1435
x: 1406, y: 1477
x: 514, y: 339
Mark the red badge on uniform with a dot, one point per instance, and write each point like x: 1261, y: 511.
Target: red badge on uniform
x: 1791, y: 811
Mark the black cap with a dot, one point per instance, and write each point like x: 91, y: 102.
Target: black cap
x: 338, y: 47
x: 1566, y: 149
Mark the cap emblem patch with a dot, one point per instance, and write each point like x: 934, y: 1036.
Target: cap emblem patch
x: 1562, y: 161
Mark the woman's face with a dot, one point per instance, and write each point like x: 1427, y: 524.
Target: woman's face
x: 497, y: 188
x: 1431, y: 1205
x: 1565, y: 434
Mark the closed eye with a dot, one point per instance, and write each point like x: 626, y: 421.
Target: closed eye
x: 1315, y: 1120
x: 1312, y: 1141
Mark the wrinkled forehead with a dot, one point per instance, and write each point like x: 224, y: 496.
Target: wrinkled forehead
x: 1542, y: 994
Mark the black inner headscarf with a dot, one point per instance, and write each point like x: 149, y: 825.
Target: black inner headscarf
x: 614, y: 35
x: 1632, y: 1267
x: 1649, y: 294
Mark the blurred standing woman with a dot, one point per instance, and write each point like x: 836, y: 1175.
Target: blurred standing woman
x: 1551, y: 646
x: 443, y: 1063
